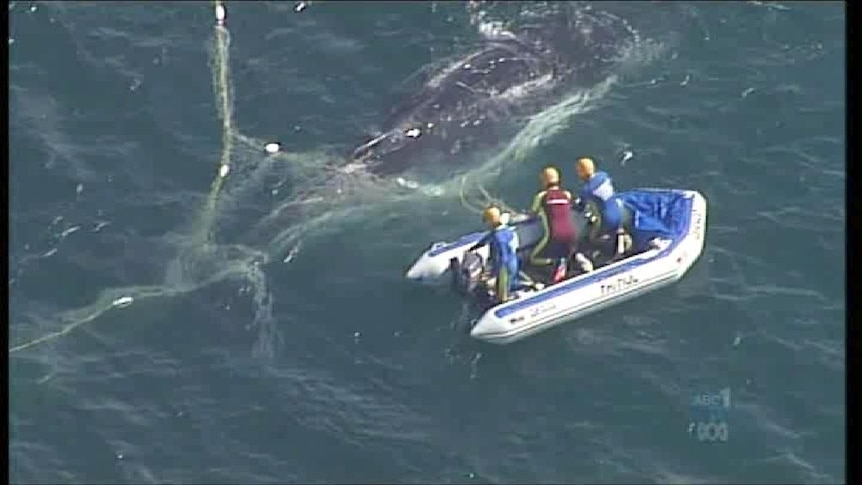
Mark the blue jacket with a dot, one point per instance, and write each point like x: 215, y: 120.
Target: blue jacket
x: 599, y: 189
x: 503, y: 243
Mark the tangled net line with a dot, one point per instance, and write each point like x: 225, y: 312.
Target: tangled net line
x: 485, y: 200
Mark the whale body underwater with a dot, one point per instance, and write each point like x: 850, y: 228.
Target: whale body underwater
x: 477, y: 97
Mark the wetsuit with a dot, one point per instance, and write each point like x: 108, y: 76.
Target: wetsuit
x: 559, y: 234
x: 599, y: 191
x: 503, y: 242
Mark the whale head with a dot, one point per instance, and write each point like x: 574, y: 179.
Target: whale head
x: 391, y: 152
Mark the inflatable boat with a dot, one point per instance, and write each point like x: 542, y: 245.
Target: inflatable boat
x: 667, y: 229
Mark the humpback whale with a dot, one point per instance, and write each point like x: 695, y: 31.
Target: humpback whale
x: 478, y: 96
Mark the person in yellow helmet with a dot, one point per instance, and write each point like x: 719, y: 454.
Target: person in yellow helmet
x: 598, y: 190
x: 553, y: 206
x: 503, y: 242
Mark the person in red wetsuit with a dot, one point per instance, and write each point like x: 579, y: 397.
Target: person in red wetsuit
x: 553, y: 205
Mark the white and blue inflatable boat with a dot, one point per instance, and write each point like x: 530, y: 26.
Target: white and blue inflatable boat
x: 667, y: 228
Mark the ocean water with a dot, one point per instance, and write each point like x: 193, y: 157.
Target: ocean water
x: 171, y: 326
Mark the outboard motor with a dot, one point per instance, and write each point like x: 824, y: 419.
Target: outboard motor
x: 467, y: 273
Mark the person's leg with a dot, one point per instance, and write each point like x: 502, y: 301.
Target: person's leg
x: 515, y: 282
x: 503, y: 284
x: 559, y: 252
x: 613, y: 225
x: 535, y: 255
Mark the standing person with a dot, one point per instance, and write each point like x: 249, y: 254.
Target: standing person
x: 553, y: 206
x: 503, y: 242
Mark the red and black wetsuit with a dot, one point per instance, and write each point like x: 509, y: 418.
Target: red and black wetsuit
x: 554, y: 208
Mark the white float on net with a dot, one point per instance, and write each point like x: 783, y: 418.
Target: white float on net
x: 272, y: 148
x: 220, y: 14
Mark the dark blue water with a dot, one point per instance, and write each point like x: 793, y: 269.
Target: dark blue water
x: 258, y: 345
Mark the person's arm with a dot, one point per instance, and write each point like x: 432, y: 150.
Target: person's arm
x: 581, y: 201
x: 481, y: 242
x: 537, y: 202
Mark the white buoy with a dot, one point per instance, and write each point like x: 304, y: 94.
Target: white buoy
x: 122, y: 301
x: 220, y: 14
x: 272, y: 148
x: 627, y: 155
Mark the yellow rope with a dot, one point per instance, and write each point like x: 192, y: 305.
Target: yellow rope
x: 488, y: 199
x: 498, y: 202
x: 464, y: 202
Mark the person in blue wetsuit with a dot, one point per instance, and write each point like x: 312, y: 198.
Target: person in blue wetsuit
x: 598, y: 192
x: 503, y: 242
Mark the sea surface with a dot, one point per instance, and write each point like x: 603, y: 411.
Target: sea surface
x: 168, y: 325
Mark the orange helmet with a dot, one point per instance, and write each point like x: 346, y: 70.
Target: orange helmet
x: 492, y: 216
x: 585, y: 168
x: 550, y: 176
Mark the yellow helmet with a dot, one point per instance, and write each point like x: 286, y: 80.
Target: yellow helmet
x: 550, y: 176
x: 585, y: 168
x: 492, y: 216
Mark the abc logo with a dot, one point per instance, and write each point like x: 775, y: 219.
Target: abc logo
x: 708, y: 400
x: 712, y: 400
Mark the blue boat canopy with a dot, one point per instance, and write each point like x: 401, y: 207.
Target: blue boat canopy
x: 655, y: 214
